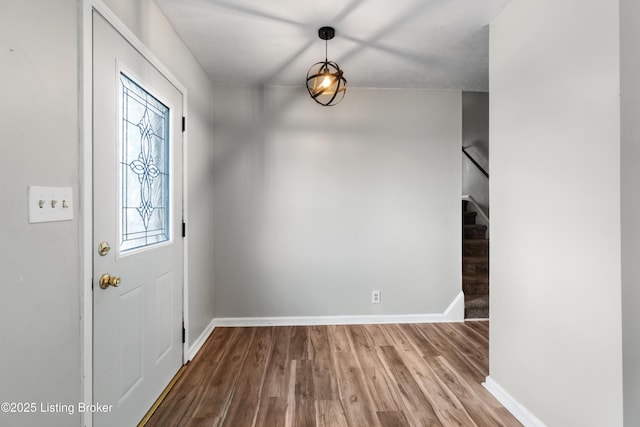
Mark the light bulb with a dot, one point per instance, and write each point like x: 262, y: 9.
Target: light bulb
x: 326, y: 82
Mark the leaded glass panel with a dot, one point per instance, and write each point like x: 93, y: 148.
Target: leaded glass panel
x: 144, y: 168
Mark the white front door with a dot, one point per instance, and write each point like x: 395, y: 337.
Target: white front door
x: 137, y: 214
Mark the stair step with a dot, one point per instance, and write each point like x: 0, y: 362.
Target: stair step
x: 475, y: 279
x: 474, y: 231
x: 476, y: 306
x: 474, y: 247
x: 469, y: 217
x: 476, y: 289
x: 475, y: 284
x: 475, y: 264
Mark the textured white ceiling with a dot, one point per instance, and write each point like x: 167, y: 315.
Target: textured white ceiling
x: 431, y: 44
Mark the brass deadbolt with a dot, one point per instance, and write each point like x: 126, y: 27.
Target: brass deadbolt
x: 103, y: 248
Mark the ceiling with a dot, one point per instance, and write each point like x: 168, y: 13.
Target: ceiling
x: 430, y: 44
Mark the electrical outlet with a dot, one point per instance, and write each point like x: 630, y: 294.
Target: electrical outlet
x: 375, y: 297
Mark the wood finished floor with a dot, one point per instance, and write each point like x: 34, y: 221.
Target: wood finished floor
x: 358, y: 376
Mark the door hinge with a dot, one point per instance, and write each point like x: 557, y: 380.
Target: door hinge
x: 184, y: 229
x: 184, y: 123
x: 184, y: 334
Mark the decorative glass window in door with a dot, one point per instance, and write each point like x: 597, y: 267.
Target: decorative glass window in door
x: 144, y: 168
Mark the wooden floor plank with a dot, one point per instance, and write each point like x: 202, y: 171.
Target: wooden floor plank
x: 420, y: 343
x: 276, y: 379
x: 449, y: 410
x: 477, y: 402
x: 393, y: 419
x: 354, y: 394
x: 185, y: 395
x: 217, y: 392
x: 467, y: 347
x: 324, y: 378
x: 418, y: 406
x: 506, y: 417
x: 473, y: 334
x: 456, y: 418
x: 299, y: 346
x: 482, y: 326
x: 383, y: 391
x: 272, y: 412
x: 305, y: 409
x: 439, y: 339
x: 246, y: 397
x: 329, y: 413
x: 291, y: 394
x: 339, y: 376
x: 378, y: 334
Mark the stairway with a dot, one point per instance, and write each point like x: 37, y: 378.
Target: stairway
x: 475, y: 266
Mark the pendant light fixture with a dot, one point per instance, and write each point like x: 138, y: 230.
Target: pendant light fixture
x: 325, y: 80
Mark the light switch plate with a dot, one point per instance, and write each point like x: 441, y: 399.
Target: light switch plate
x: 47, y: 204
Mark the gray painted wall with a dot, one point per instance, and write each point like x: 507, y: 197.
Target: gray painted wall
x: 630, y: 177
x: 475, y: 126
x: 555, y: 209
x: 316, y: 207
x: 41, y: 292
x: 475, y: 138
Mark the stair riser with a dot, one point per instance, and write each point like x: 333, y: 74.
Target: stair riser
x: 475, y: 289
x: 476, y: 279
x: 475, y: 249
x: 469, y: 218
x: 476, y: 313
x: 474, y: 232
x: 476, y: 306
x: 475, y: 267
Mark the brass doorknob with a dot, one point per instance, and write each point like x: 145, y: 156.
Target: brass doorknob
x: 106, y: 281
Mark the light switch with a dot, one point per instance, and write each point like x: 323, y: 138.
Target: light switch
x: 47, y: 204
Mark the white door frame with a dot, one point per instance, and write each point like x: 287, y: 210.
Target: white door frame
x: 85, y: 76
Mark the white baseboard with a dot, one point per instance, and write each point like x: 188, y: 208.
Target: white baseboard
x: 521, y: 413
x: 453, y: 313
x: 199, y: 342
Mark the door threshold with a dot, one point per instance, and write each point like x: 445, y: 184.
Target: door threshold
x: 162, y: 396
